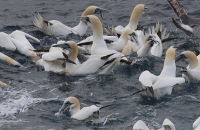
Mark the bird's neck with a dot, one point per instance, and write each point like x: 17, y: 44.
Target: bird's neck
x: 193, y: 63
x: 74, y: 110
x: 98, y: 40
x: 73, y: 55
x: 81, y: 28
x: 133, y: 22
x: 169, y: 68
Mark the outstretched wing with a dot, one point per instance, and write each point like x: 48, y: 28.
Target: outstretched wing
x: 179, y: 11
x: 167, y: 82
x: 147, y: 79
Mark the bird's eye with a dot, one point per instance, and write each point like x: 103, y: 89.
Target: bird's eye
x: 87, y: 19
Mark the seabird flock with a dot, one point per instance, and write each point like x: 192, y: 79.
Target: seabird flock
x: 107, y: 52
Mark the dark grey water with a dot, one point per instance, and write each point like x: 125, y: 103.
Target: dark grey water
x: 37, y: 95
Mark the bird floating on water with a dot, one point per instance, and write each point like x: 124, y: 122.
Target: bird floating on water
x: 99, y: 46
x: 167, y: 125
x: 133, y: 22
x: 192, y: 72
x: 158, y: 86
x: 90, y: 113
x: 56, y: 28
x: 111, y: 41
x: 92, y: 65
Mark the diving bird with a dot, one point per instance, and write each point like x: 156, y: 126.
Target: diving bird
x: 56, y: 28
x: 158, y: 86
x: 92, y: 65
x: 167, y: 125
x: 111, y: 41
x: 9, y: 60
x: 196, y: 124
x: 19, y: 41
x: 187, y: 24
x: 86, y: 113
x: 140, y: 125
x: 192, y: 72
x: 99, y: 46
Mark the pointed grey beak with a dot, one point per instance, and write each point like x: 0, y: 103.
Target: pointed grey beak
x: 85, y: 19
x: 104, y: 10
x: 146, y: 9
x: 64, y: 107
x: 64, y: 46
x: 101, y: 11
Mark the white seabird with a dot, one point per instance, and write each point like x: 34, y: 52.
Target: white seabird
x: 99, y: 46
x: 56, y: 28
x: 196, y: 124
x: 86, y: 113
x: 161, y: 42
x: 167, y: 125
x: 192, y: 72
x: 9, y: 60
x: 52, y: 60
x: 140, y: 125
x: 133, y: 22
x: 112, y: 42
x: 188, y: 23
x: 91, y: 65
x: 162, y: 84
x: 19, y: 40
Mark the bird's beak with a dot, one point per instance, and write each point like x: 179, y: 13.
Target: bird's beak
x: 146, y: 9
x: 82, y: 18
x: 64, y: 107
x: 101, y: 11
x: 64, y: 46
x: 182, y: 56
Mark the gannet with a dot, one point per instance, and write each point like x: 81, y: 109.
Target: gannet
x: 133, y: 22
x: 7, y: 42
x: 52, y: 60
x: 140, y: 125
x: 90, y: 113
x: 111, y: 41
x: 145, y: 50
x: 188, y: 23
x: 162, y: 84
x: 167, y: 125
x: 92, y: 65
x: 18, y: 40
x: 99, y: 46
x: 9, y: 60
x: 56, y: 28
x: 196, y: 124
x: 23, y: 45
x: 161, y: 42
x: 192, y: 72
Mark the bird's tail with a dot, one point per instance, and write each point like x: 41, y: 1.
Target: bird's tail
x: 43, y: 25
